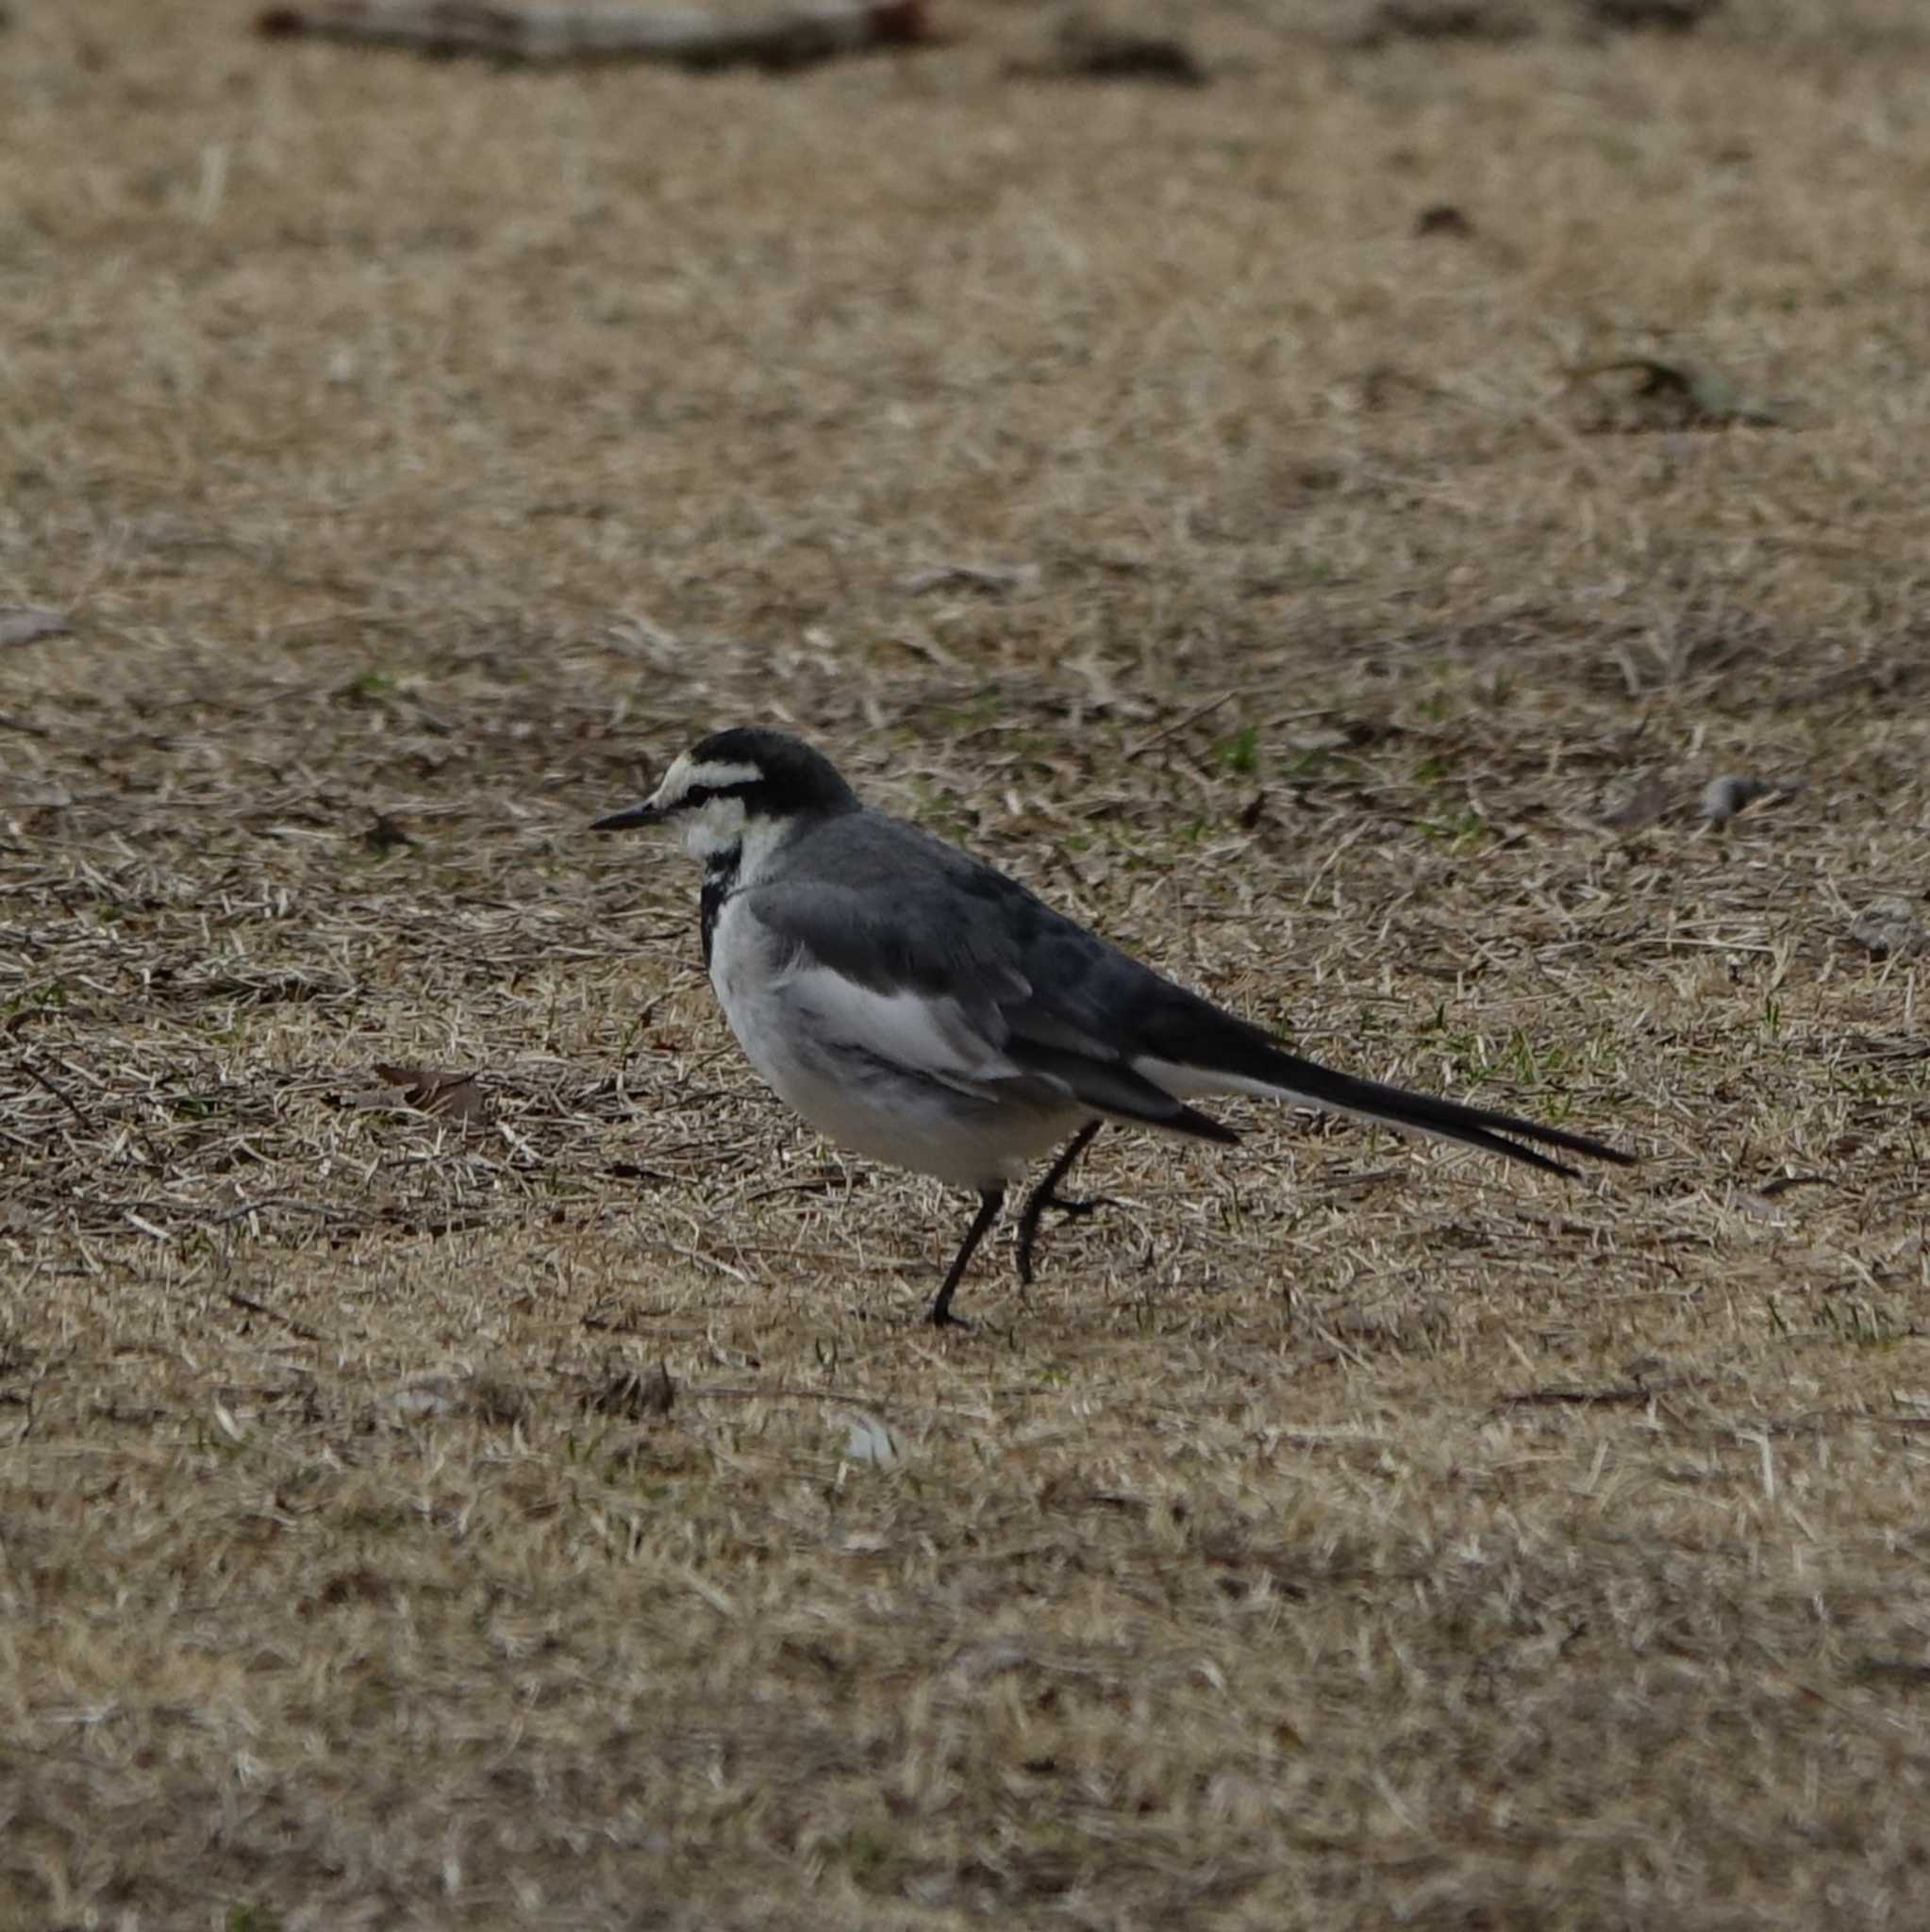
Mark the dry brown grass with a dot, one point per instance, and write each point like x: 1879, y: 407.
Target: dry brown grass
x: 1343, y: 1533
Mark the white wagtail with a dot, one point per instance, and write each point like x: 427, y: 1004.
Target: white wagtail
x: 921, y: 1008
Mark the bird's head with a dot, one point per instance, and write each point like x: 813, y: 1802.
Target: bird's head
x: 736, y: 783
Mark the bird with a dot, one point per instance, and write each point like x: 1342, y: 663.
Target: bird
x: 921, y: 1008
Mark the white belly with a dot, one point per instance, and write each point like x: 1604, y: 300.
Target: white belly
x: 875, y: 1076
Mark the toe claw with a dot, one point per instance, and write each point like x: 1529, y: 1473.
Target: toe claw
x: 1077, y: 1210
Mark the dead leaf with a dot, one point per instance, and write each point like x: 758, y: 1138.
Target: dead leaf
x: 1669, y: 395
x: 448, y: 1096
x: 1492, y: 21
x: 497, y: 1398
x: 1086, y: 49
x: 1660, y: 16
x: 1904, y: 1671
x: 1443, y: 218
x: 627, y: 1391
x: 26, y: 624
x: 385, y: 836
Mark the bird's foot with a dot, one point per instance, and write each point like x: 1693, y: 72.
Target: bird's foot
x: 1077, y: 1210
x: 1028, y: 1227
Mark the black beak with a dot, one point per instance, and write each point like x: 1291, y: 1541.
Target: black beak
x: 644, y: 814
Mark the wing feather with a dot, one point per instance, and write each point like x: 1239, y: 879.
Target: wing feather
x: 937, y: 1036
x: 982, y: 982
x: 960, y: 974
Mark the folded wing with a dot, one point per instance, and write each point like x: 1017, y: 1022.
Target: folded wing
x: 961, y: 973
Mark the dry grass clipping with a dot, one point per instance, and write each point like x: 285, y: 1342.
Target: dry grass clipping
x: 448, y: 1500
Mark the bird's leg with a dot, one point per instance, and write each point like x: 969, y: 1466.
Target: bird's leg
x: 1046, y: 1195
x: 989, y: 1202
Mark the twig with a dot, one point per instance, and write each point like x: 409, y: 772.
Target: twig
x: 141, y: 1133
x: 287, y: 1202
x: 1178, y: 724
x: 1543, y: 1398
x: 685, y: 37
x: 40, y: 1080
x: 288, y: 1322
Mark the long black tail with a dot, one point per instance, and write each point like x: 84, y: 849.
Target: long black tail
x: 1293, y: 1079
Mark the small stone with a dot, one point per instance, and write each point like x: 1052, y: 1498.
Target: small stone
x: 1722, y: 798
x: 27, y: 624
x: 1889, y: 928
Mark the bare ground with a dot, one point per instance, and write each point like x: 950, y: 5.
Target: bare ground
x: 1341, y: 1533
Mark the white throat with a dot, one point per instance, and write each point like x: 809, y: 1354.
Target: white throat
x: 730, y: 843
x: 714, y: 829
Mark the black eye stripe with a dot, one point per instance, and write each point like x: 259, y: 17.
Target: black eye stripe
x: 782, y: 785
x: 702, y: 795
